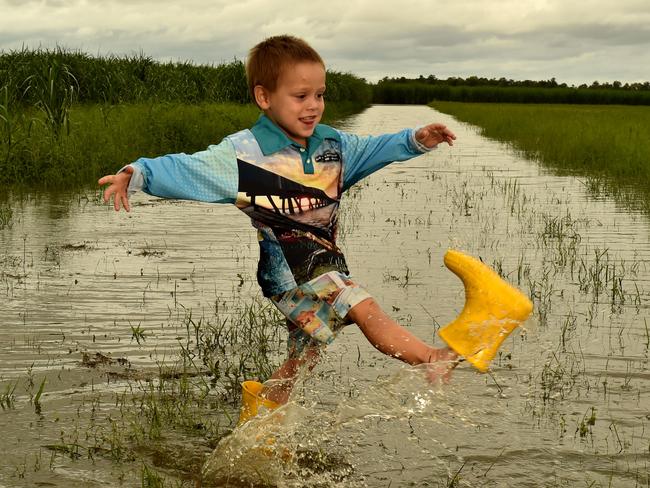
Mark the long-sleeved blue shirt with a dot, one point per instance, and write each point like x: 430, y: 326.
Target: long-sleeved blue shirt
x: 290, y: 192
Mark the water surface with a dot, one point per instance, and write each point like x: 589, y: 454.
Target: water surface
x: 100, y: 303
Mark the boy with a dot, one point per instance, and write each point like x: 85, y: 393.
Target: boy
x: 287, y: 173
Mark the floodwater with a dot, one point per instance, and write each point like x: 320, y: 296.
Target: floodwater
x: 98, y: 308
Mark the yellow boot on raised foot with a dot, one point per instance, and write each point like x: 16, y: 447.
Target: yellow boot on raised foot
x: 493, y: 309
x: 251, y: 401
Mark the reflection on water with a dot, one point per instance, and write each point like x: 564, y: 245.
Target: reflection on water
x: 100, y: 304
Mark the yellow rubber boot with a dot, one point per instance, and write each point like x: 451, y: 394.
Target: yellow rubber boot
x: 493, y: 309
x: 265, y: 437
x: 251, y: 401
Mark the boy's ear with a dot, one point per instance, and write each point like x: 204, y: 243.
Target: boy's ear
x: 261, y: 97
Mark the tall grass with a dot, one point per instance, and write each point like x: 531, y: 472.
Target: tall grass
x: 608, y: 142
x: 113, y: 79
x: 422, y: 93
x: 67, y: 118
x: 139, y: 78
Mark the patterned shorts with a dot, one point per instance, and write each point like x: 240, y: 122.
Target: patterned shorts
x: 316, y: 311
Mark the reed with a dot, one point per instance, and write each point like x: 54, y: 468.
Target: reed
x: 53, y: 89
x: 140, y: 78
x: 6, y: 215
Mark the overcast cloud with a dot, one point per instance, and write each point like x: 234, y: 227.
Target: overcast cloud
x: 520, y: 39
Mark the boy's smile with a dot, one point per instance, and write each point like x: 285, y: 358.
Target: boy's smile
x: 297, y: 104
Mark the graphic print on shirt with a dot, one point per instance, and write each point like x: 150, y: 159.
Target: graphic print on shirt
x: 295, y: 211
x: 283, y: 203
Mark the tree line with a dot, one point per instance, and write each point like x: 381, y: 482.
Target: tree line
x: 423, y: 90
x: 505, y: 82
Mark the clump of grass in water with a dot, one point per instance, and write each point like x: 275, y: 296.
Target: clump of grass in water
x: 235, y: 346
x: 37, y: 398
x: 175, y: 416
x: 604, y: 275
x: 8, y: 398
x: 6, y: 216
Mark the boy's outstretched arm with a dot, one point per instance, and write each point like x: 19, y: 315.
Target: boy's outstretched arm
x: 118, y: 188
x: 433, y: 134
x: 363, y: 156
x: 205, y: 176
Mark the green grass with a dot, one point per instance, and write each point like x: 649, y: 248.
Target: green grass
x: 102, y: 138
x: 67, y: 118
x: 28, y: 74
x: 607, y: 143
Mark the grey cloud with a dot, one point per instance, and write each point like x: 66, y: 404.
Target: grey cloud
x: 604, y: 33
x: 370, y: 40
x: 17, y: 3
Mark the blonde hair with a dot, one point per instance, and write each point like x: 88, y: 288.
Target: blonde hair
x: 267, y: 59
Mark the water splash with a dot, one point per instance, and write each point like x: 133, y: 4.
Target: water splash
x: 311, y: 443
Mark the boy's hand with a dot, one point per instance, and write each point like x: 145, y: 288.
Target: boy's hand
x: 119, y: 185
x: 433, y: 134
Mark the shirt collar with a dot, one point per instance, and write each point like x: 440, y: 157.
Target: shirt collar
x: 271, y: 139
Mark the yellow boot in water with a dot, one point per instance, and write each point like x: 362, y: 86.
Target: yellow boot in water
x: 251, y: 401
x: 493, y: 309
x: 264, y: 435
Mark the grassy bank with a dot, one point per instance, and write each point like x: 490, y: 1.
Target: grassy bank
x: 608, y: 143
x: 67, y: 118
x: 102, y: 138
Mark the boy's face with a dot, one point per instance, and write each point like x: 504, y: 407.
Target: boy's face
x: 296, y: 105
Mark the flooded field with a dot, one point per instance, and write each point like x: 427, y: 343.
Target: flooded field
x: 123, y: 337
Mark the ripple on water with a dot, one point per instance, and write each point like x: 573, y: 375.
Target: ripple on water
x: 565, y: 404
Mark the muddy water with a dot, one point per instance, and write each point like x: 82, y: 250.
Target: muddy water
x: 97, y: 304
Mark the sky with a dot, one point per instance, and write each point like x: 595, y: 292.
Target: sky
x: 573, y: 42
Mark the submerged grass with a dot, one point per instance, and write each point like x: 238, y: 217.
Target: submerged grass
x: 170, y: 418
x: 608, y: 144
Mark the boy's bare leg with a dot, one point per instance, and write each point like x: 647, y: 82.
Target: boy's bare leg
x: 287, y: 374
x: 384, y: 334
x: 392, y: 339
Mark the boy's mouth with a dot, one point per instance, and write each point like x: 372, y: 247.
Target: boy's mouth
x: 308, y: 120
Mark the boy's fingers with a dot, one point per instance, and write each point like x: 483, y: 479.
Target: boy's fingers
x: 105, y: 179
x: 125, y: 202
x: 107, y: 194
